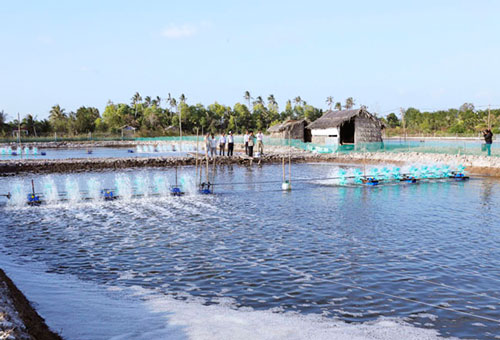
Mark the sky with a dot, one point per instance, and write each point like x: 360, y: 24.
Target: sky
x: 385, y: 54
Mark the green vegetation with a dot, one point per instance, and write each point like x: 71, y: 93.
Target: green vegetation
x: 463, y: 121
x: 151, y: 117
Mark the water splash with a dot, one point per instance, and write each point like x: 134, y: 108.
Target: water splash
x: 358, y: 174
x: 72, y: 190
x: 142, y: 185
x: 342, y: 176
x: 188, y: 184
x: 123, y: 187
x: 94, y: 187
x: 18, y: 195
x: 49, y: 189
x: 396, y: 173
x: 160, y: 185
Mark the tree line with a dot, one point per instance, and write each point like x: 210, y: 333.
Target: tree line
x: 155, y: 116
x: 464, y: 120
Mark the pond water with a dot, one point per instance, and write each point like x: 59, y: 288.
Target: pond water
x: 146, y: 150
x: 425, y: 254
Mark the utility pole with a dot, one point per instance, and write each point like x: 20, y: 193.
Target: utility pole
x: 180, y: 129
x: 19, y: 135
x: 404, y: 122
x: 18, y: 130
x: 489, y: 115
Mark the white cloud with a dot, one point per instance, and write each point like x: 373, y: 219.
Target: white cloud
x: 180, y: 31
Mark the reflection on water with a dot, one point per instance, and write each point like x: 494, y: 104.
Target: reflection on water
x: 356, y: 253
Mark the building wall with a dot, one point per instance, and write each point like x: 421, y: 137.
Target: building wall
x: 325, y: 136
x: 296, y: 132
x: 366, y: 130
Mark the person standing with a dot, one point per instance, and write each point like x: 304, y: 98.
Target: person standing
x: 251, y: 141
x: 260, y: 142
x: 488, y: 139
x: 245, y: 140
x: 222, y: 144
x: 230, y: 144
x: 213, y: 146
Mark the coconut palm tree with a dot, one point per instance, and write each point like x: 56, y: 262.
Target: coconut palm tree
x: 248, y: 98
x: 272, y: 103
x: 57, y: 113
x: 338, y: 106
x: 147, y: 100
x: 3, y: 121
x: 29, y: 123
x: 349, y: 103
x: 329, y: 102
x: 136, y: 98
x: 297, y: 100
x: 258, y: 101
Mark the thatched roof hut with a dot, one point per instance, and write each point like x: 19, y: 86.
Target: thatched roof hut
x: 346, y: 127
x: 296, y: 128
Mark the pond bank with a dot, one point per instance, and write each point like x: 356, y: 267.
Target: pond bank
x: 18, y: 319
x: 475, y: 164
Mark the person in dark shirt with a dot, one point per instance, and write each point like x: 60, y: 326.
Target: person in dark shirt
x: 488, y: 139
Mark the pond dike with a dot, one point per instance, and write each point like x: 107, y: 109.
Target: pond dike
x: 489, y: 166
x: 22, y: 321
x: 13, y: 167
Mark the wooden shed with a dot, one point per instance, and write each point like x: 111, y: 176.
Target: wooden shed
x: 346, y: 127
x: 297, y: 128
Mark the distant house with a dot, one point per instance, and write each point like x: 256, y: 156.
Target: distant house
x: 346, y: 127
x: 15, y: 132
x: 128, y: 131
x: 294, y: 129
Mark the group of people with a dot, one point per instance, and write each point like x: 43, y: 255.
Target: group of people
x: 249, y: 139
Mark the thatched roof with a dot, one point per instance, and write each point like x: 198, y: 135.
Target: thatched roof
x: 285, y: 126
x: 333, y: 119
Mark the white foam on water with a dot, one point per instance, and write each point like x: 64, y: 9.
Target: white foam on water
x: 83, y: 310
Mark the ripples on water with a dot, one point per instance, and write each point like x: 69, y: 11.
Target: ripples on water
x: 320, y: 249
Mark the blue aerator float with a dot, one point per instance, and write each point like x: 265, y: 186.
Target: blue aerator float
x: 43, y: 153
x: 108, y: 195
x: 372, y: 181
x: 459, y: 176
x: 205, y: 188
x: 176, y: 191
x: 130, y: 151
x: 33, y: 198
x: 409, y: 179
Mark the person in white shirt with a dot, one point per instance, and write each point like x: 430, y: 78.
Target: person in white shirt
x: 230, y: 144
x: 222, y: 144
x: 213, y: 146
x: 260, y: 142
x: 245, y: 140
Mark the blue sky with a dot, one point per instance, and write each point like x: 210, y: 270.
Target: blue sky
x: 385, y: 54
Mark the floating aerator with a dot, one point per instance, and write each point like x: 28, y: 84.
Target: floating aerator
x: 370, y: 181
x: 34, y: 199
x: 108, y: 195
x: 205, y: 188
x: 176, y: 191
